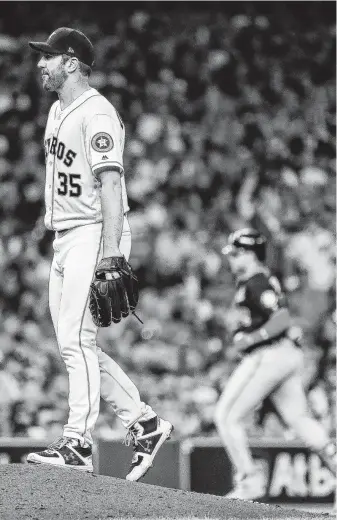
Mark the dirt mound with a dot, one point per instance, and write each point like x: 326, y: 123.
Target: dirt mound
x: 47, y: 493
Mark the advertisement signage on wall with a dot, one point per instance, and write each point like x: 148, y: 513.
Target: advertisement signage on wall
x: 292, y: 474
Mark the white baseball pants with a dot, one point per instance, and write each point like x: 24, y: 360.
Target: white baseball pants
x: 92, y: 373
x: 274, y: 371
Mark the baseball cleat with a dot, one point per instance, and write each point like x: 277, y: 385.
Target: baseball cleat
x: 147, y: 437
x: 64, y: 453
x: 249, y: 487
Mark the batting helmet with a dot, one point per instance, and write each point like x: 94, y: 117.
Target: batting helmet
x: 248, y: 239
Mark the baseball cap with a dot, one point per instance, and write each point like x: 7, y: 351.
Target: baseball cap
x: 67, y: 41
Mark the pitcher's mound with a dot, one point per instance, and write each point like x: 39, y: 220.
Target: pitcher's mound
x: 46, y: 493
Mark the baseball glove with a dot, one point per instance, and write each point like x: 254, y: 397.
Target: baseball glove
x: 113, y: 291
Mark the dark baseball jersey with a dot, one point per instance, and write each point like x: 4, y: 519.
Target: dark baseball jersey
x: 257, y: 299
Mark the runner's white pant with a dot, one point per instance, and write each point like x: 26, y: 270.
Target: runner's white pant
x: 91, y: 372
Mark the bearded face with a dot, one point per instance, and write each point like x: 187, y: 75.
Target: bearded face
x: 53, y: 72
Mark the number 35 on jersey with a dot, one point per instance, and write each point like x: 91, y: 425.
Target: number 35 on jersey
x: 69, y: 183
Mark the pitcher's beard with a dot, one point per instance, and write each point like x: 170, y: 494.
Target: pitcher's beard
x: 54, y: 83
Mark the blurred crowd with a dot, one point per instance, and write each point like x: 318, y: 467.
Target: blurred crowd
x: 230, y: 120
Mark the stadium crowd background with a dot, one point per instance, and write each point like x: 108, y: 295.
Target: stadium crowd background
x: 230, y: 117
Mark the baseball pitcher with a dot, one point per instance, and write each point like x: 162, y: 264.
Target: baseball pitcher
x: 91, y: 282
x: 271, y: 364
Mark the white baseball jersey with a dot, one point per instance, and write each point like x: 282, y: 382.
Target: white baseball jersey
x: 81, y: 141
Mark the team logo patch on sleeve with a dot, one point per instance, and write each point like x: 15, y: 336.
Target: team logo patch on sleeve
x: 269, y: 299
x: 102, y: 142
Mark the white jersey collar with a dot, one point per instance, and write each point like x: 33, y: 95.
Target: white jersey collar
x: 76, y: 103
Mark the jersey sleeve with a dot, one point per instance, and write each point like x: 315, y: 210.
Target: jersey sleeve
x: 104, y: 143
x: 265, y: 295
